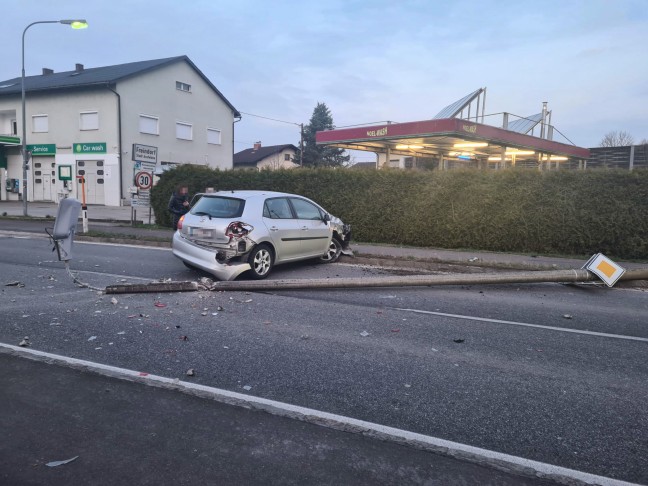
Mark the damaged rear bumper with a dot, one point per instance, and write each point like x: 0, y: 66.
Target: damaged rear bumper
x: 206, y: 259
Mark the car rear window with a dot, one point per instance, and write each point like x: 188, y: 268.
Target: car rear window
x: 219, y: 207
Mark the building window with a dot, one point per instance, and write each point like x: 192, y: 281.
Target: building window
x: 14, y: 127
x: 40, y: 124
x: 184, y: 131
x: 149, y: 124
x: 286, y: 157
x: 183, y: 86
x: 89, y: 120
x: 213, y: 136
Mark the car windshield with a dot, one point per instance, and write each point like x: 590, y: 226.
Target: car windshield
x: 219, y: 207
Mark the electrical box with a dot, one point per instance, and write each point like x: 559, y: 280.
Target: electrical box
x: 65, y: 227
x: 12, y: 185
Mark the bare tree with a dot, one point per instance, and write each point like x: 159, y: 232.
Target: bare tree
x: 615, y: 138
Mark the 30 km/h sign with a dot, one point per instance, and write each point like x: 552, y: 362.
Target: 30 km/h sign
x: 144, y: 180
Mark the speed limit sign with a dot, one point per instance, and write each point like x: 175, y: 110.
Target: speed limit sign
x: 144, y: 180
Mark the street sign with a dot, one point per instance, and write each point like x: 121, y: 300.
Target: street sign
x: 144, y: 153
x: 604, y: 268
x: 144, y: 180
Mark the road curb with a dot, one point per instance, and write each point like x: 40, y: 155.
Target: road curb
x: 492, y: 459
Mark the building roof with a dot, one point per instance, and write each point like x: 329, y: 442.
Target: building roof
x: 363, y: 165
x: 99, y: 76
x: 253, y: 157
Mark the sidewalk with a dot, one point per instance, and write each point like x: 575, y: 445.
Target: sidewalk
x: 98, y: 213
x: 128, y: 433
x: 116, y: 220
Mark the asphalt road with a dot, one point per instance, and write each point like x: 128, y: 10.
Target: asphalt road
x: 572, y: 399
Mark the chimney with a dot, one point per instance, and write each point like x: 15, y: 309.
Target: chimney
x: 257, y: 145
x: 78, y: 67
x: 47, y: 71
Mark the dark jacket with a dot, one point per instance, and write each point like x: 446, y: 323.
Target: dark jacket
x: 176, y: 207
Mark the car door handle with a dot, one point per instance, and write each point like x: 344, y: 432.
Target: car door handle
x: 304, y: 228
x: 274, y: 228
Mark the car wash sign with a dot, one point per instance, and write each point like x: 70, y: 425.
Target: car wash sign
x: 90, y: 148
x: 144, y: 153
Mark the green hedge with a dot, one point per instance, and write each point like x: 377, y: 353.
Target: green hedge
x: 564, y: 212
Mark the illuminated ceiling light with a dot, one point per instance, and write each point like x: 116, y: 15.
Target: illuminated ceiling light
x: 470, y: 144
x: 520, y: 152
x: 556, y: 157
x: 409, y: 147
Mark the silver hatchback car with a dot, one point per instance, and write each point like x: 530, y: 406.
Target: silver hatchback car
x: 229, y: 233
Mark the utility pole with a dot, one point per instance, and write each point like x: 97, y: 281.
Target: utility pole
x: 301, y: 146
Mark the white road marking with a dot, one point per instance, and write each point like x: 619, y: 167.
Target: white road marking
x: 525, y: 324
x: 19, y: 235
x: 146, y: 247
x: 477, y: 455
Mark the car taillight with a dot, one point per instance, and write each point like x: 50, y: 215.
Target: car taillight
x: 238, y: 229
x: 180, y: 222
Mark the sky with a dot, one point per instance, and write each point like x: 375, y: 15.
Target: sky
x: 369, y: 60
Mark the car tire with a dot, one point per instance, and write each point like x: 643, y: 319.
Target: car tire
x: 261, y: 260
x: 333, y: 253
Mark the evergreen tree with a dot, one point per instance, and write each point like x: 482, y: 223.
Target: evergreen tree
x: 320, y: 155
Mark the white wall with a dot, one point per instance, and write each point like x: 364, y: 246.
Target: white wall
x: 155, y: 94
x: 63, y: 110
x: 278, y: 161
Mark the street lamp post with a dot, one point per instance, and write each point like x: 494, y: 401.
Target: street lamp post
x: 75, y: 24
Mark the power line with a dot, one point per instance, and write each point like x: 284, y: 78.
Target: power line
x: 268, y: 118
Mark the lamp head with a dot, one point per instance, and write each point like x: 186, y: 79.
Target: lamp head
x: 75, y: 23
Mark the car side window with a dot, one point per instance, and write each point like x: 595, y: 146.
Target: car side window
x: 305, y: 209
x: 277, y: 208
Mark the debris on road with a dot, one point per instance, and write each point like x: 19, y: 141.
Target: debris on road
x: 92, y: 338
x: 183, y: 338
x: 25, y: 342
x: 60, y: 463
x: 458, y: 341
x: 16, y: 283
x: 364, y: 333
x: 395, y: 330
x: 247, y: 387
x: 114, y: 301
x: 567, y: 316
x: 190, y: 372
x: 160, y: 305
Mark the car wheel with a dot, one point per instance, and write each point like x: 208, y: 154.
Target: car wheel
x: 261, y: 261
x: 333, y: 253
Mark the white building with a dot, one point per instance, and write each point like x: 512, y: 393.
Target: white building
x: 106, y: 123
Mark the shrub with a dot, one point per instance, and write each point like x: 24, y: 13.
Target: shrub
x: 565, y: 212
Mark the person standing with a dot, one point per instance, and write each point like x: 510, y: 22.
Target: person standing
x: 179, y: 203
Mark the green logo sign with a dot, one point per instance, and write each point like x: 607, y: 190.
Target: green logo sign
x: 90, y: 148
x: 42, y: 149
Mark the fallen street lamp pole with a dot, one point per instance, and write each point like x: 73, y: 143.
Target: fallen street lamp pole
x: 555, y: 276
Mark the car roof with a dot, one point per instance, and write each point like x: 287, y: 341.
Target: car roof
x: 247, y: 194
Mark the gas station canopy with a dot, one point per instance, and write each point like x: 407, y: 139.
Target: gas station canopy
x: 451, y: 138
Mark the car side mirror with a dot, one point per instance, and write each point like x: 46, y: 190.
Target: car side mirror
x: 326, y: 218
